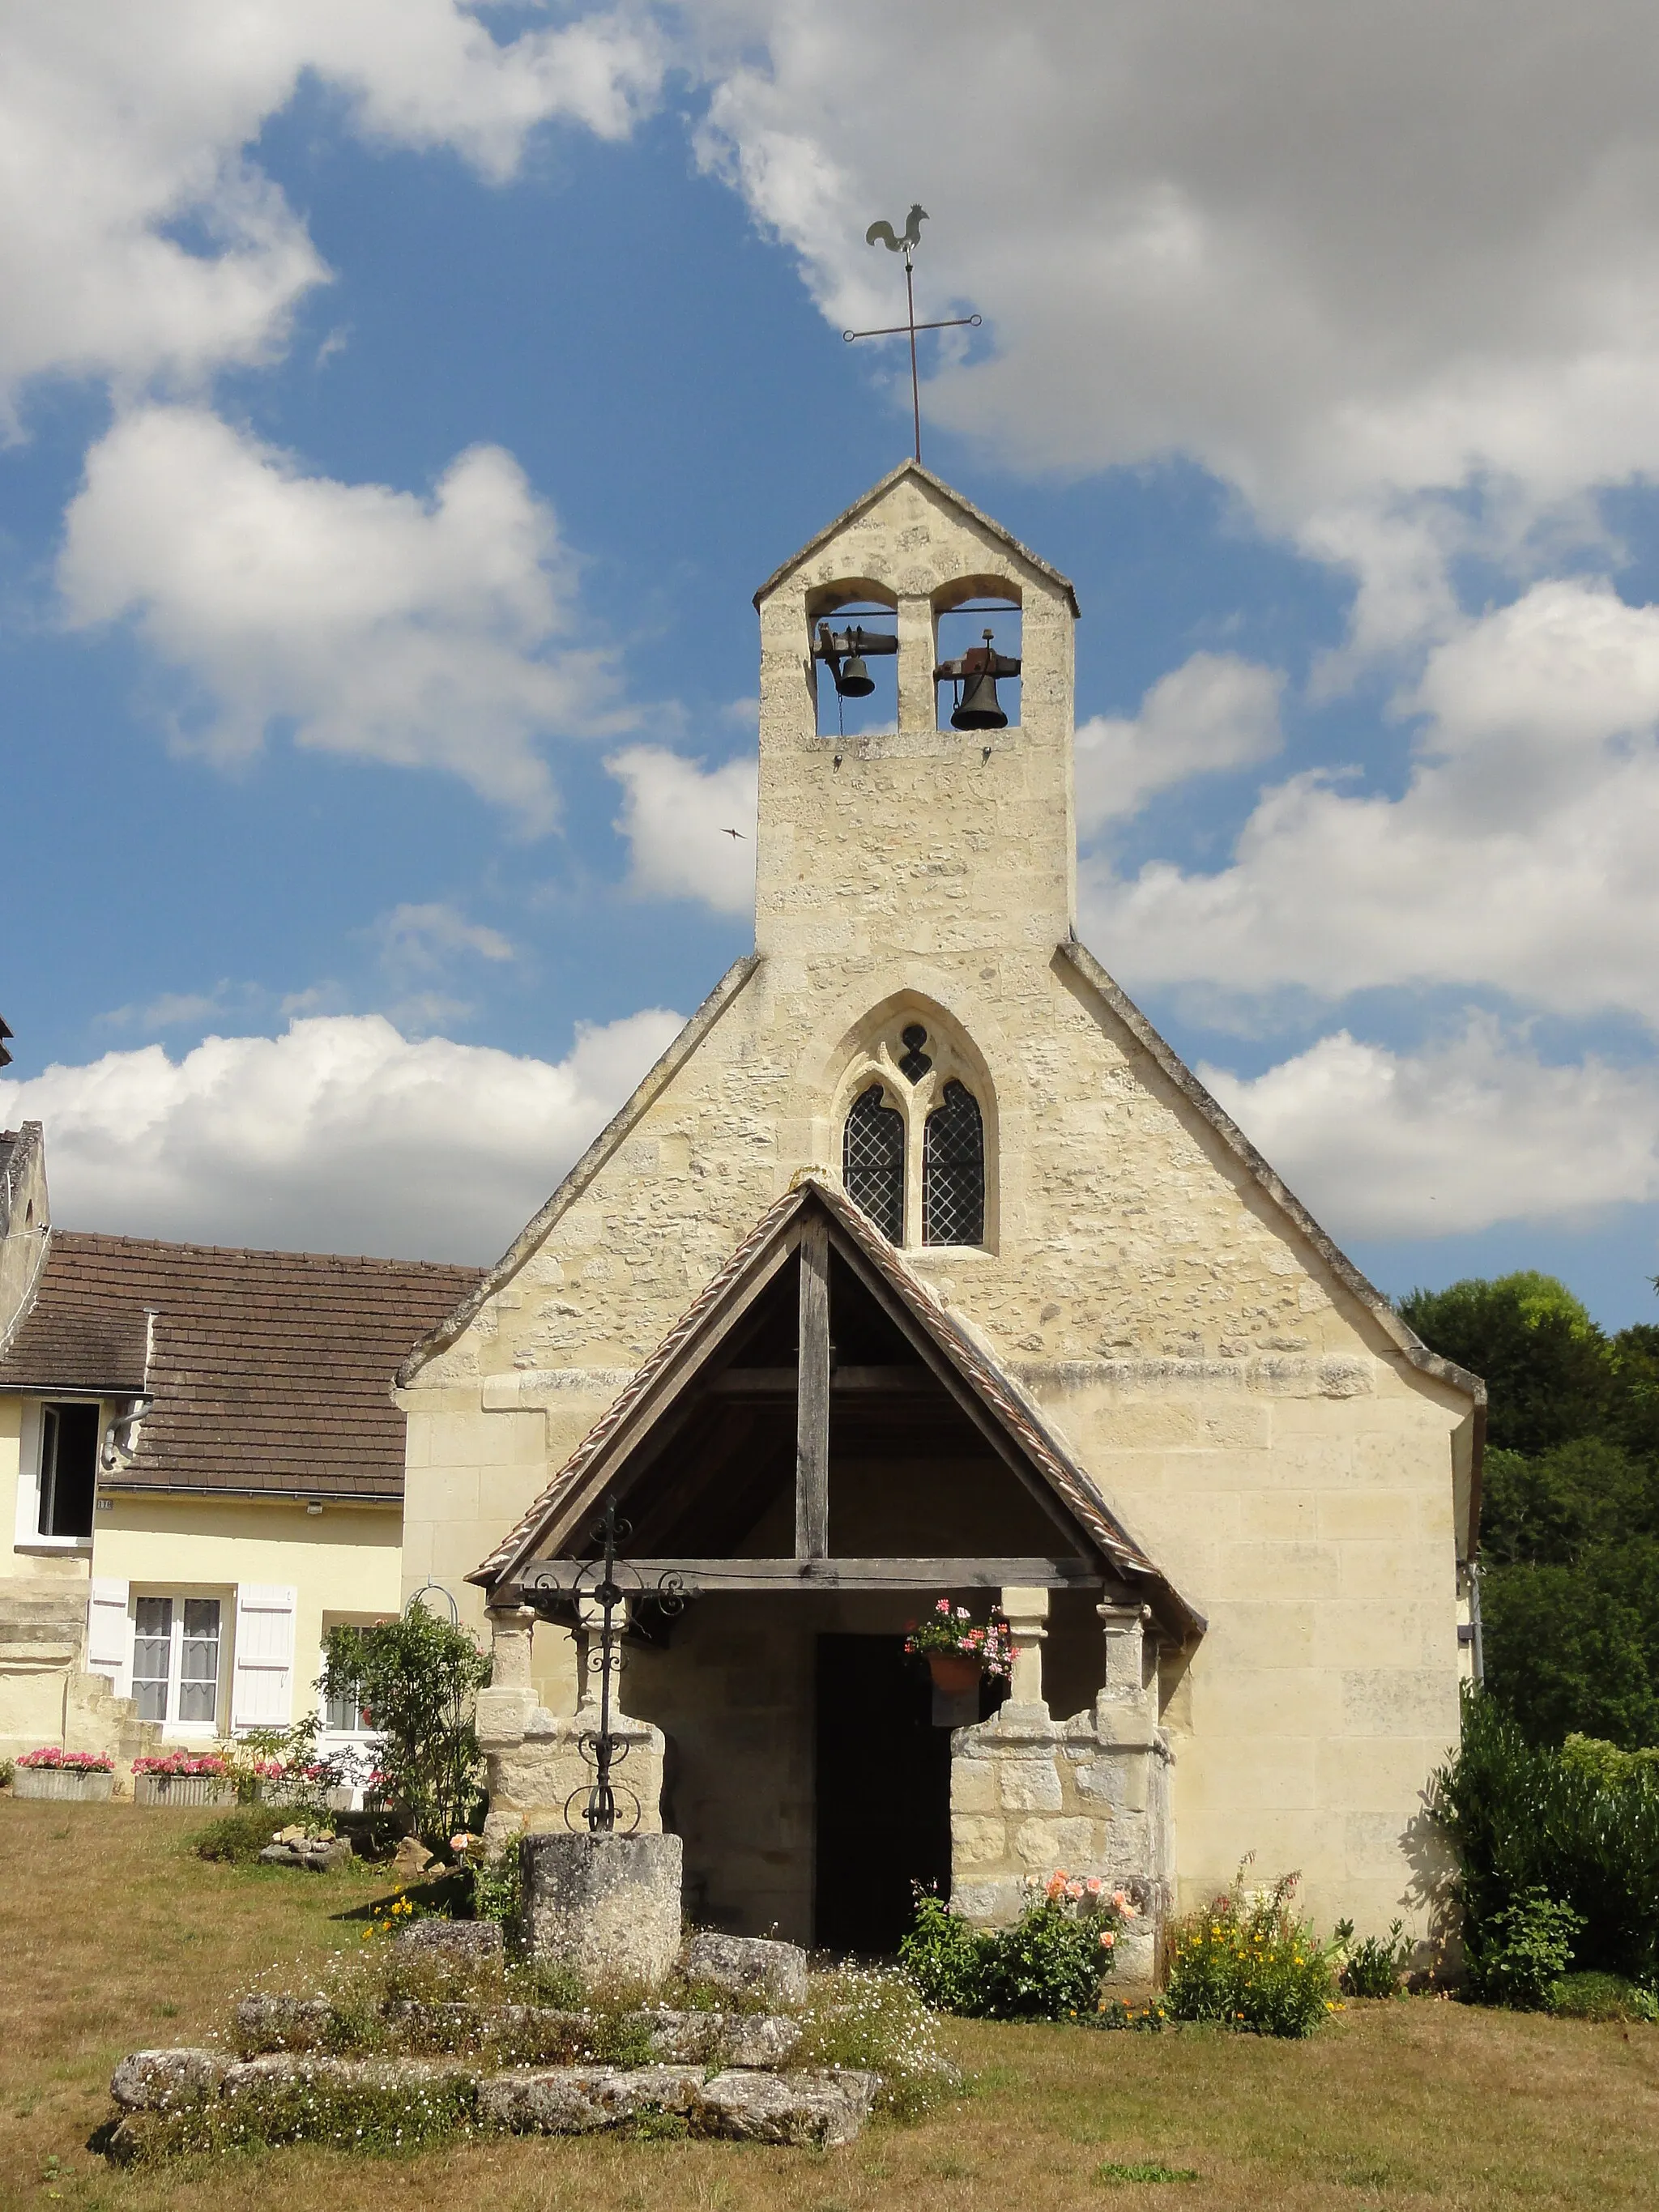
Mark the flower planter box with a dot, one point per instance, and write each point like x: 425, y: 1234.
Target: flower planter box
x: 64, y: 1784
x: 182, y: 1789
x: 282, y: 1794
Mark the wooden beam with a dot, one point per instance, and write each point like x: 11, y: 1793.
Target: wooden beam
x: 706, y: 1577
x: 812, y: 1395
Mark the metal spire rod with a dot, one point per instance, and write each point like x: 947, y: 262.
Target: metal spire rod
x: 906, y: 245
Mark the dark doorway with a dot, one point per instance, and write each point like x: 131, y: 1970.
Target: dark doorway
x: 884, y: 1792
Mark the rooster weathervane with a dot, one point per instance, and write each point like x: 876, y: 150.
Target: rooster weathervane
x: 906, y: 242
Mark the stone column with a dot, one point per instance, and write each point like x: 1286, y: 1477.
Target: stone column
x: 1025, y: 1610
x: 917, y: 699
x: 1123, y: 1710
x: 504, y: 1713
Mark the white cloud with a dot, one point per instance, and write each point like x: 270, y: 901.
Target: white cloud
x: 1216, y: 711
x: 425, y: 633
x: 678, y: 817
x: 1345, y: 258
x: 119, y: 125
x: 170, y: 1010
x: 421, y: 938
x: 1519, y: 857
x: 1462, y: 1134
x: 340, y: 1135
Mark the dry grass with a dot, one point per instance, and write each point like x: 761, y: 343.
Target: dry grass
x: 112, y: 1937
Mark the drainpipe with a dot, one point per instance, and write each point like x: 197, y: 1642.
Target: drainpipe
x: 1475, y: 1572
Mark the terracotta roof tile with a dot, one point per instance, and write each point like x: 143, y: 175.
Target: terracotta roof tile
x: 270, y: 1372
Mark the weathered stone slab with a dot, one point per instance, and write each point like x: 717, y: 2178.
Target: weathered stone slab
x: 761, y: 2039
x: 473, y: 1944
x: 283, y: 2069
x: 722, y: 2038
x: 810, y: 2109
x: 574, y: 2101
x: 164, y: 2080
x: 606, y: 1906
x: 316, y: 1854
x: 278, y: 2023
x: 748, y: 1965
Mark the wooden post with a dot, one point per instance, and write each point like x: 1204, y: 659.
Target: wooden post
x: 812, y: 1397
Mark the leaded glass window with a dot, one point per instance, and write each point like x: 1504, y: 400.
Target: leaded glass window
x: 873, y: 1161
x: 953, y: 1170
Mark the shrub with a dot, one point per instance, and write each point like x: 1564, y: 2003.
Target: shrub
x: 1372, y: 1968
x: 236, y: 1838
x: 1523, y: 1820
x: 1522, y: 1951
x: 1607, y: 1764
x: 1246, y: 1962
x: 1048, y: 1965
x: 1601, y: 1996
x: 415, y: 1678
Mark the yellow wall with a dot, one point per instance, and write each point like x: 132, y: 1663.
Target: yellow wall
x: 343, y: 1560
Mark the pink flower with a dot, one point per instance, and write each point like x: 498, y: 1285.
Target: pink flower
x: 943, y: 1606
x: 1094, y: 1885
x: 1107, y: 1939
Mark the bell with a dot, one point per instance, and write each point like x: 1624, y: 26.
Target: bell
x: 978, y: 708
x: 852, y: 679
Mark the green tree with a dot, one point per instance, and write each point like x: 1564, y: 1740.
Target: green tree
x: 417, y: 1678
x: 1544, y: 1363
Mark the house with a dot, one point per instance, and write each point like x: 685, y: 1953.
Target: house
x: 201, y: 1471
x: 920, y: 1267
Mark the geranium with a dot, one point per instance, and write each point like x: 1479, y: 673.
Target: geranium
x: 184, y: 1762
x: 953, y: 1628
x: 68, y: 1762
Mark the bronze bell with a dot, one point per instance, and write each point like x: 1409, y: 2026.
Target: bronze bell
x: 978, y: 708
x: 852, y: 679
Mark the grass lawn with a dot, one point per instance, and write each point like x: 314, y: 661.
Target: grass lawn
x: 112, y: 1936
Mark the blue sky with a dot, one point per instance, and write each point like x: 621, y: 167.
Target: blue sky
x: 405, y: 404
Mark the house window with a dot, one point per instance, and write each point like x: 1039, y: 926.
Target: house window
x: 67, y: 1476
x: 873, y: 1161
x: 175, y: 1661
x: 344, y: 1716
x: 953, y: 1170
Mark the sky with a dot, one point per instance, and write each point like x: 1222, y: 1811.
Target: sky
x: 400, y: 401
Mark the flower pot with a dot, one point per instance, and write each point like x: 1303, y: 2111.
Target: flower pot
x: 65, y: 1784
x: 182, y: 1789
x: 954, y: 1673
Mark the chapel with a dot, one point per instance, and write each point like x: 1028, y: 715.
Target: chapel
x: 920, y: 1267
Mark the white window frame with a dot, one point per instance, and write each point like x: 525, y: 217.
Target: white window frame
x: 172, y: 1729
x: 26, y: 1536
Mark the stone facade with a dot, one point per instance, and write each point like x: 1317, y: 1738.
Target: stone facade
x: 1268, y: 1431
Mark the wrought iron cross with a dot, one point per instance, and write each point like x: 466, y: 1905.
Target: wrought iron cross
x: 601, y: 1809
x: 884, y: 233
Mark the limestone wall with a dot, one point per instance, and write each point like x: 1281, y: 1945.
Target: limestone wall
x: 1256, y: 1424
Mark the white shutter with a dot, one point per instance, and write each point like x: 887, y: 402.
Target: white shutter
x: 28, y: 1475
x: 264, y: 1694
x: 109, y: 1635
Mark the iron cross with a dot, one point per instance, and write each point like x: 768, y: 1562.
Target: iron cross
x: 905, y: 243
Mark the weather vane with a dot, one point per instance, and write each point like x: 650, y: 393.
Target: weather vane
x: 883, y: 233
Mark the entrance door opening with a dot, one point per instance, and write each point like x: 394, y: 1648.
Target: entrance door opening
x: 884, y: 1793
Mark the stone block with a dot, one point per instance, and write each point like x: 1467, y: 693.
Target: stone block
x: 759, y: 2038
x: 606, y: 1906
x: 471, y: 1946
x: 744, y: 1964
x: 316, y: 1854
x: 1028, y: 1785
x: 579, y: 2101
x: 164, y: 2080
x: 1073, y: 1843
x: 989, y: 1903
x: 974, y: 1786
x: 812, y: 2111
x: 976, y: 1842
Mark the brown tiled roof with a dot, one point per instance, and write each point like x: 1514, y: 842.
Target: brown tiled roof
x: 971, y: 1359
x: 270, y: 1372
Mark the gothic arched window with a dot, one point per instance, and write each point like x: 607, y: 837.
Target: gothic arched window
x: 872, y: 1162
x: 953, y: 1170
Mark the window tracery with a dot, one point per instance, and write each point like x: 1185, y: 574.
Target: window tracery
x: 913, y: 1152
x: 873, y: 1161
